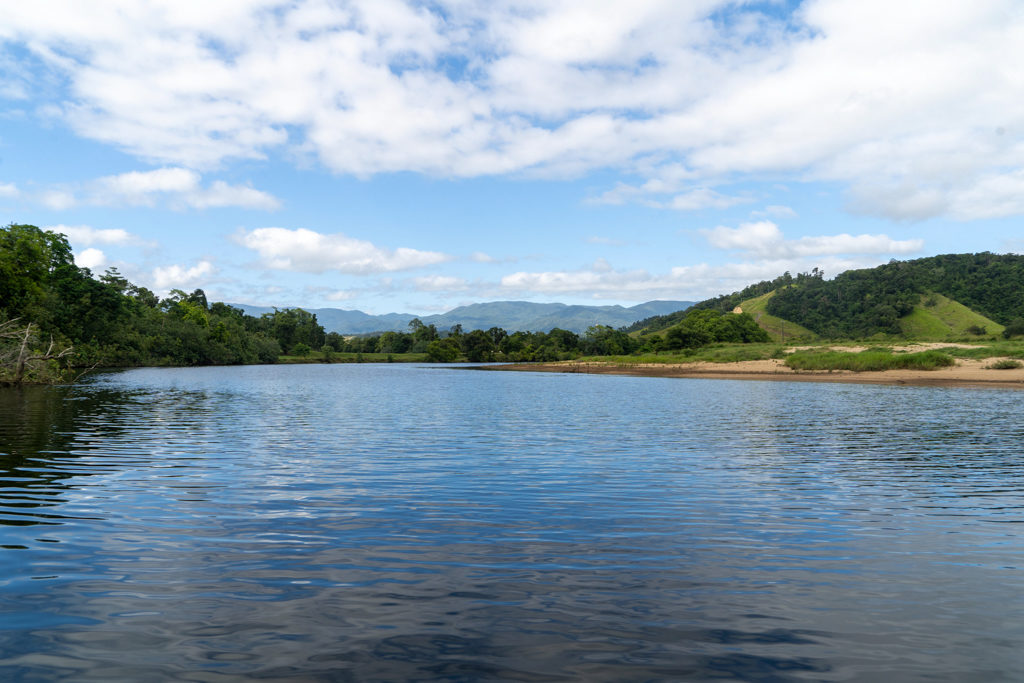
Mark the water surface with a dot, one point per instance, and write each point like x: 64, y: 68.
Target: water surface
x: 395, y: 522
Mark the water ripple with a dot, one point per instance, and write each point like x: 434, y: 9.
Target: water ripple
x: 399, y: 523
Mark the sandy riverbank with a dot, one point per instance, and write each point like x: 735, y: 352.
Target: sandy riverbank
x: 966, y: 373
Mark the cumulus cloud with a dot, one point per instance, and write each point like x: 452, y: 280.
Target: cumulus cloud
x: 307, y: 251
x: 764, y: 239
x: 86, y: 236
x: 91, y: 258
x: 178, y: 187
x: 710, y: 92
x: 182, y: 277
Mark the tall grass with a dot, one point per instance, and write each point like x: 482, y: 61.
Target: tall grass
x: 867, y: 361
x: 716, y: 353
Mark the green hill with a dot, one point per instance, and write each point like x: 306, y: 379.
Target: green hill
x: 939, y: 317
x: 778, y: 329
x: 965, y: 292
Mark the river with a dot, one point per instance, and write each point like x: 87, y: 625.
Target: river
x: 401, y: 522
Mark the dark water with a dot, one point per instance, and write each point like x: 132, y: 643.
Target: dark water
x: 388, y: 522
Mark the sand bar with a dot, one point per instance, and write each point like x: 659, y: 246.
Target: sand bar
x: 966, y: 373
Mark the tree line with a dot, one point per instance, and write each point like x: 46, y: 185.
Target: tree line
x: 108, y: 321
x: 49, y: 306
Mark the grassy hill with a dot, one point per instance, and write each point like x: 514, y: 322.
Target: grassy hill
x: 939, y: 317
x: 778, y: 329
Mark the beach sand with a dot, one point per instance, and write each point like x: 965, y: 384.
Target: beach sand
x: 966, y: 373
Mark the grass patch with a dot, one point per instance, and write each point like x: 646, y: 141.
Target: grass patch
x: 1009, y: 349
x: 1005, y: 364
x: 716, y: 353
x: 868, y: 361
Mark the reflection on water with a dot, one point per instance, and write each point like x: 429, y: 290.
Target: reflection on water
x: 383, y: 522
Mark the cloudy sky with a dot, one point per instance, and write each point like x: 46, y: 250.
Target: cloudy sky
x: 414, y: 156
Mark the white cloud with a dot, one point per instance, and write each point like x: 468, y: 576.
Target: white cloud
x: 704, y: 198
x: 180, y: 277
x: 57, y: 200
x: 9, y: 190
x: 748, y: 236
x: 992, y: 195
x: 684, y: 282
x: 775, y: 211
x: 439, y: 283
x: 312, y: 252
x: 84, y: 235
x: 764, y: 239
x: 91, y: 258
x: 688, y: 96
x: 694, y: 282
x: 481, y: 257
x: 179, y: 187
x: 341, y: 295
x: 137, y: 187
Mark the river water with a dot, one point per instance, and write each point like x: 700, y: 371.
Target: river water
x: 399, y: 522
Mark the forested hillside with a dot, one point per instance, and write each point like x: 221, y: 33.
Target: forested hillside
x: 860, y: 303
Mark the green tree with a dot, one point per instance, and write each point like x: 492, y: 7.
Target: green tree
x: 477, y: 346
x: 442, y: 351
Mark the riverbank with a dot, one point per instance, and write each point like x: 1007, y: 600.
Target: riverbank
x: 966, y: 373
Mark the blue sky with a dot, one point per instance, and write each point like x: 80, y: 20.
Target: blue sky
x: 415, y: 156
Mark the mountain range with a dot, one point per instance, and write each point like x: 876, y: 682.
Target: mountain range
x: 511, y: 316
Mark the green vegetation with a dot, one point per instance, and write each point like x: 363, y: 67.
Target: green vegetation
x: 870, y: 302
x: 868, y: 360
x: 69, y: 319
x: 939, y: 317
x: 1005, y: 364
x: 779, y: 329
x: 714, y: 353
x: 57, y: 318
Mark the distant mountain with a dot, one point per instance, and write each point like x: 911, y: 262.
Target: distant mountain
x: 508, y: 315
x: 345, y: 321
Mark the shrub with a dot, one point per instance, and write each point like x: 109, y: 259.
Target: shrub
x: 1005, y: 364
x: 869, y: 360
